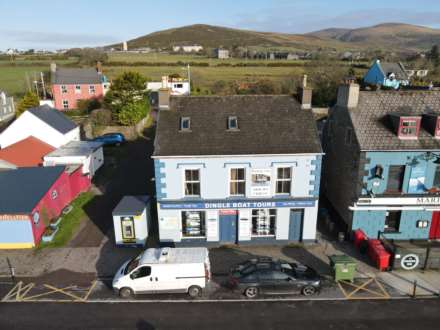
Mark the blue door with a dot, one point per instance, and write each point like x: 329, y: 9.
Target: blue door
x: 228, y: 228
x: 296, y: 224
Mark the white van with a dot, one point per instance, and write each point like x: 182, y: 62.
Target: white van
x: 164, y: 270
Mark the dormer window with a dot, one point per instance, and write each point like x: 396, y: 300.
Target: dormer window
x: 409, y: 127
x: 185, y: 124
x: 431, y: 123
x: 232, y: 123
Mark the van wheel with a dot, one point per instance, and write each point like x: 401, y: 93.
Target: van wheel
x: 195, y: 291
x: 251, y: 292
x: 308, y: 290
x: 126, y: 293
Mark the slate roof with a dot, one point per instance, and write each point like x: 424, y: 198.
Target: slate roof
x: 131, y: 205
x: 26, y: 153
x: 267, y: 125
x: 53, y: 118
x: 23, y: 188
x: 72, y: 76
x: 372, y: 125
x: 396, y: 68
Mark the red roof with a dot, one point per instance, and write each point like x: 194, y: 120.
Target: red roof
x: 26, y: 153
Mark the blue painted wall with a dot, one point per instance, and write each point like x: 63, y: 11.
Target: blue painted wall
x: 424, y: 171
x: 16, y: 231
x: 373, y: 222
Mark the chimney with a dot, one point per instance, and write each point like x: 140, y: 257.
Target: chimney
x: 99, y: 67
x: 53, y: 67
x: 305, y: 94
x: 164, y: 81
x: 348, y: 94
x: 164, y: 99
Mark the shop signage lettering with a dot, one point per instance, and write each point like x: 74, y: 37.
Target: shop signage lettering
x: 428, y: 200
x: 237, y: 205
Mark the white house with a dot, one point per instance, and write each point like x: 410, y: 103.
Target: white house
x: 45, y: 123
x: 236, y: 170
x: 7, y: 108
x: 177, y: 86
x: 187, y: 48
x: 89, y: 154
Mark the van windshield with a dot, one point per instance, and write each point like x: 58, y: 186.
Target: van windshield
x: 132, y: 265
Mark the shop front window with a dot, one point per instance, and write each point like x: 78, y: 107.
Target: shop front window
x: 193, y: 224
x: 263, y: 222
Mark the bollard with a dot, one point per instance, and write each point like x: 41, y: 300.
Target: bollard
x: 414, y: 294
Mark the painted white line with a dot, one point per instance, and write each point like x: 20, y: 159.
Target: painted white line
x: 115, y: 301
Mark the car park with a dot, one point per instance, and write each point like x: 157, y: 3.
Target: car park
x: 261, y: 276
x: 164, y: 270
x: 110, y: 139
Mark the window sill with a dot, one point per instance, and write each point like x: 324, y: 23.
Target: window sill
x: 194, y: 237
x: 263, y: 236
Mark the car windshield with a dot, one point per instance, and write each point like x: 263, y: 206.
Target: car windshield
x: 132, y: 265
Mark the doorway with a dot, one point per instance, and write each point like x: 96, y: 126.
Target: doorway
x: 228, y: 226
x: 296, y: 225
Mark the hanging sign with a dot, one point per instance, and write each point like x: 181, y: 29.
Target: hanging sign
x: 260, y: 182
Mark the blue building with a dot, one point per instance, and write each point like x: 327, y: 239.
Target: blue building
x: 382, y: 163
x: 236, y: 169
x: 385, y: 74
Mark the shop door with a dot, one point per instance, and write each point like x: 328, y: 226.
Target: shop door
x: 296, y: 225
x: 434, y: 232
x: 228, y: 226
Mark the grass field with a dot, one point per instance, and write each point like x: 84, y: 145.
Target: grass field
x: 204, y: 77
x: 16, y: 77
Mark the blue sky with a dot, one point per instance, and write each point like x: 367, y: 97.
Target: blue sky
x: 56, y: 24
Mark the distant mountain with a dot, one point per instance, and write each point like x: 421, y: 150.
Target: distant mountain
x: 216, y: 36
x: 389, y: 35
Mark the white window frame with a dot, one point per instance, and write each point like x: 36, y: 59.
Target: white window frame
x: 182, y: 236
x: 284, y: 180
x: 65, y: 104
x: 92, y: 89
x: 238, y: 181
x: 185, y: 182
x: 63, y: 89
x: 182, y: 119
x: 233, y: 119
x: 275, y: 224
x: 77, y: 90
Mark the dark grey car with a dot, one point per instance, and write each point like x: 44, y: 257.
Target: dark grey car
x: 274, y: 277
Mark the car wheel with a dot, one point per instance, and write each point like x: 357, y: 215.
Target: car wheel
x: 195, y: 291
x: 251, y: 292
x: 308, y: 290
x: 126, y: 293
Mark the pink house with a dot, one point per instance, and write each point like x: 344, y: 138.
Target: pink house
x: 69, y: 85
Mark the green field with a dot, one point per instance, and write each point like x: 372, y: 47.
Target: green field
x: 17, y: 76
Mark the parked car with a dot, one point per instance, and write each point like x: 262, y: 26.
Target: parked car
x: 272, y: 276
x: 110, y: 139
x: 164, y: 270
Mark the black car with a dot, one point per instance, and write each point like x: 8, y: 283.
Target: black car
x: 272, y: 276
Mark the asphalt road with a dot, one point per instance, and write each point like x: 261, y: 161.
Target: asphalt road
x: 339, y: 315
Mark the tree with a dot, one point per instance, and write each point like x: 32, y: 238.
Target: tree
x: 29, y: 100
x: 88, y: 56
x: 434, y: 55
x: 128, y: 98
x: 132, y: 113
